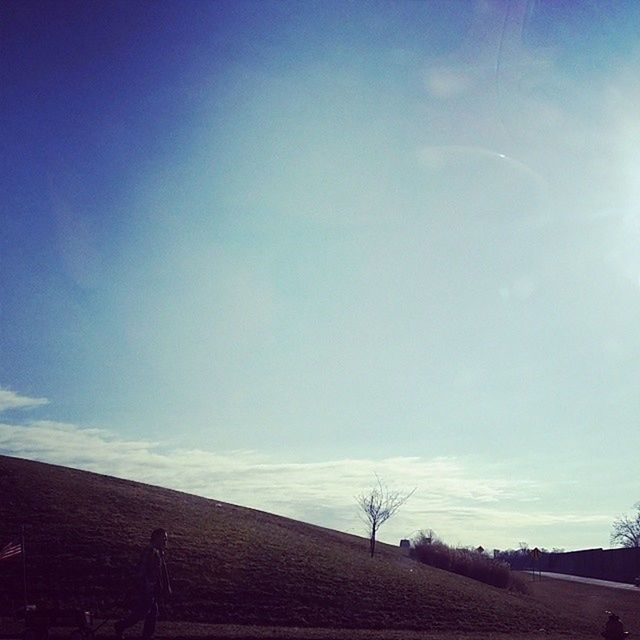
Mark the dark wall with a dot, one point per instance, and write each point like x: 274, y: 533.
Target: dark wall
x: 619, y: 565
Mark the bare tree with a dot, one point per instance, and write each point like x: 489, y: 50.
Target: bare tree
x: 626, y: 530
x: 425, y: 536
x: 377, y: 505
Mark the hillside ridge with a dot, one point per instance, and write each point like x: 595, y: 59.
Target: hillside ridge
x: 231, y: 564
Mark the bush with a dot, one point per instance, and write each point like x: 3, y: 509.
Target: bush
x: 466, y: 562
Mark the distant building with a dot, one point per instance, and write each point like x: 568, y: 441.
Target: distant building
x: 405, y: 544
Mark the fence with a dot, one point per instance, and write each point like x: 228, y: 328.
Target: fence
x: 619, y: 565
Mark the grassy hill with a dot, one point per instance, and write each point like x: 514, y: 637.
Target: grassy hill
x: 230, y: 564
x: 590, y: 602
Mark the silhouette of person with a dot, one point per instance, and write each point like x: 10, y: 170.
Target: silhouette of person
x: 150, y: 588
x: 614, y: 629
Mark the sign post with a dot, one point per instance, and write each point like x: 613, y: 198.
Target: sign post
x: 535, y: 555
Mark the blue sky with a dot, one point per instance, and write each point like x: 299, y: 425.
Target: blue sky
x: 260, y: 249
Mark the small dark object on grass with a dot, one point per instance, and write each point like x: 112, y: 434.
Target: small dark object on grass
x: 614, y: 629
x: 39, y: 620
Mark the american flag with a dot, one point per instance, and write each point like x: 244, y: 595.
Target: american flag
x: 11, y: 550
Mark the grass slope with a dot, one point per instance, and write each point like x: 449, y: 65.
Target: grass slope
x: 589, y: 602
x: 232, y: 565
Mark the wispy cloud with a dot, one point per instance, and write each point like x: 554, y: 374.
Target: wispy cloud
x: 458, y: 498
x: 11, y: 400
x: 447, y: 82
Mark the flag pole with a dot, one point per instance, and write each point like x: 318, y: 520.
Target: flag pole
x: 24, y: 569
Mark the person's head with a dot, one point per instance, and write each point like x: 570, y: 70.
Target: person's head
x: 159, y: 539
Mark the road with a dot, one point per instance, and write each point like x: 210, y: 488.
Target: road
x: 600, y: 583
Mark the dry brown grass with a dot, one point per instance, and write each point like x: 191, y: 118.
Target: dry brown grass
x: 11, y: 630
x: 588, y: 602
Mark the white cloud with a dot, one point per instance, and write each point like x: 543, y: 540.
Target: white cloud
x: 11, y: 400
x: 447, y: 83
x: 458, y: 498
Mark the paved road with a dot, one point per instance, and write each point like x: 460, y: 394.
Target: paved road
x: 600, y: 583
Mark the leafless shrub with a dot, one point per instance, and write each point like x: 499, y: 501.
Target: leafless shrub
x: 466, y: 562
